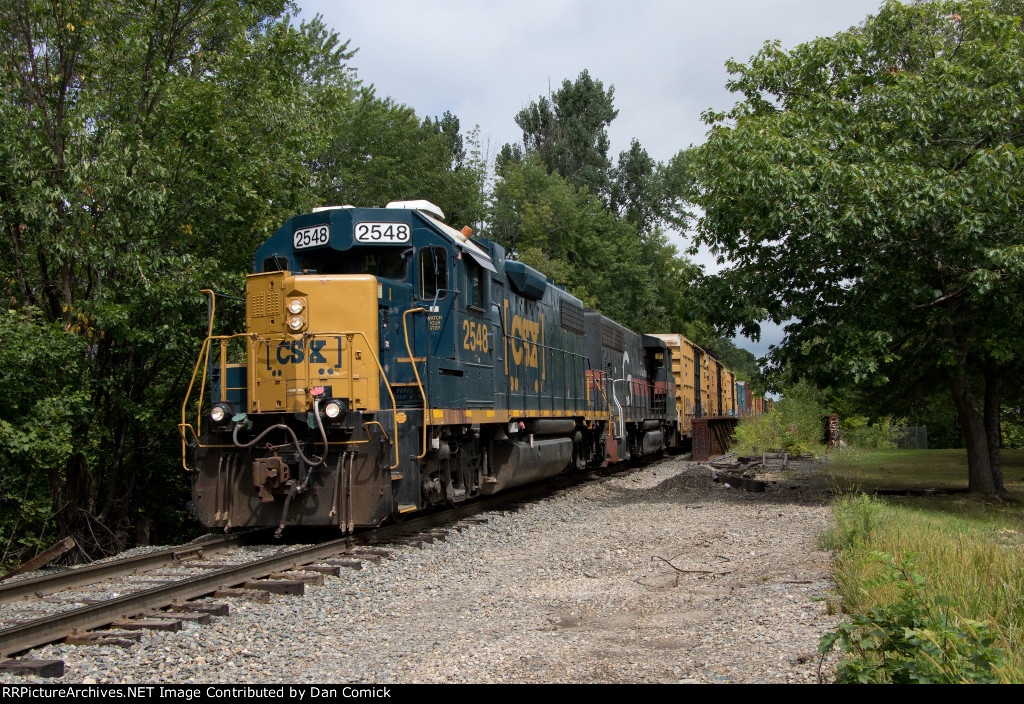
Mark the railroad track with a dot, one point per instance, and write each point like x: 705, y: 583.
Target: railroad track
x: 100, y: 571
x: 73, y: 614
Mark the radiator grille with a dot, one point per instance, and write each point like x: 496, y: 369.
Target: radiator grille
x: 612, y: 338
x: 572, y: 317
x: 407, y: 396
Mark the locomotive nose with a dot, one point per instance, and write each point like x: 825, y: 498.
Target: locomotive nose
x: 301, y: 339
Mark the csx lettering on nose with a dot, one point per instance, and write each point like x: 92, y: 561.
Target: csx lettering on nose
x: 294, y: 352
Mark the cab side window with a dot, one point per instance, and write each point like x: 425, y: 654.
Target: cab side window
x: 432, y: 272
x: 474, y: 284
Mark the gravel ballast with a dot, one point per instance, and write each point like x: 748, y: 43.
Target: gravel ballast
x: 658, y: 575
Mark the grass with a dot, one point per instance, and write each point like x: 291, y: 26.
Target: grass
x: 916, y: 469
x: 968, y: 548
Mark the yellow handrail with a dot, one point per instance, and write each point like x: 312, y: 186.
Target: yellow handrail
x: 419, y: 383
x: 373, y: 422
x: 387, y: 385
x: 204, y: 354
x: 600, y: 387
x: 349, y: 334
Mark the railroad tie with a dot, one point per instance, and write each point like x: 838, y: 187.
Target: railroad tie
x: 39, y: 668
x: 212, y: 608
x: 289, y: 587
x: 149, y: 624
x: 255, y: 595
x: 350, y: 564
x: 183, y: 616
x: 313, y: 580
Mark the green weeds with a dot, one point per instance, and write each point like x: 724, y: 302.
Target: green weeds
x: 915, y: 639
x: 934, y: 589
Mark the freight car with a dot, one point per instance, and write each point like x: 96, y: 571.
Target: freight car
x: 391, y: 363
x: 708, y: 397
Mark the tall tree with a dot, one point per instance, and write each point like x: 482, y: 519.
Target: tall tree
x: 381, y: 151
x: 869, y: 187
x: 144, y: 151
x: 568, y: 131
x: 635, y: 188
x: 569, y: 235
x: 560, y: 205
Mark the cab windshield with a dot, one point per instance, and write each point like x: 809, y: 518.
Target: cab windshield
x: 385, y: 262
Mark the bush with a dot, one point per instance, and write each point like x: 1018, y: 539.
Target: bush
x: 914, y: 640
x: 793, y: 423
x: 878, y: 436
x: 755, y: 434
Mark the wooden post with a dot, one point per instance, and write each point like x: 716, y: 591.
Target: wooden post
x: 50, y: 553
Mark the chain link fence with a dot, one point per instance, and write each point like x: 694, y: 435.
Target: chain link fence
x: 908, y: 437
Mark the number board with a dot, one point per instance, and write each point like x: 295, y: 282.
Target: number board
x: 311, y: 236
x: 383, y: 232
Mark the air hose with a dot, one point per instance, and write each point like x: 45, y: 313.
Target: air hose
x: 295, y: 439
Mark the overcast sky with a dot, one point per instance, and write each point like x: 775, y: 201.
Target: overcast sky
x: 486, y: 60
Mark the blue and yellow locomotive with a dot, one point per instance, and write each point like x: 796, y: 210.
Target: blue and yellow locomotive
x: 391, y: 363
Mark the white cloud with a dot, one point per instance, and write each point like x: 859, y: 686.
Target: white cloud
x: 485, y: 61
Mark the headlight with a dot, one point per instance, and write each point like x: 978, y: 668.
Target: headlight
x: 219, y: 412
x: 332, y: 409
x: 295, y: 306
x: 296, y: 322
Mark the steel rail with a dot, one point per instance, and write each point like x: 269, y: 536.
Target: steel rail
x: 48, y: 584
x: 22, y: 637
x: 48, y: 629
